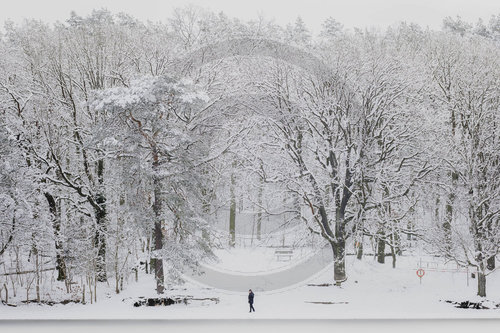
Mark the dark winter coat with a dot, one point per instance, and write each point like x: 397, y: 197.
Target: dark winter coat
x: 250, y: 298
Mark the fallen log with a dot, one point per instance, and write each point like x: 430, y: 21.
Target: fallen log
x: 481, y: 305
x: 213, y: 299
x: 313, y: 302
x: 320, y: 285
x: 171, y: 300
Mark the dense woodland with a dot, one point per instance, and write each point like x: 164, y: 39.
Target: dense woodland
x: 121, y: 141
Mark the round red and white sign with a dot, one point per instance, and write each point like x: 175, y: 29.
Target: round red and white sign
x: 420, y: 272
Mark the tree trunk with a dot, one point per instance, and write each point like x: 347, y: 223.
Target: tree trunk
x: 448, y: 220
x: 360, y: 238
x: 339, y: 251
x: 148, y: 260
x: 397, y: 244
x: 395, y: 249
x: 158, y: 234
x: 338, y: 262
x: 359, y: 254
x: 232, y: 214
x: 393, y: 255
x: 204, y: 232
x: 381, y: 232
x: 381, y: 248
x: 83, y: 293
x: 259, y: 214
x: 118, y: 243
x: 100, y: 239
x: 207, y: 194
x: 436, y: 210
x: 56, y: 227
x: 11, y: 236
x: 491, y: 263
x: 37, y: 275
x: 447, y: 224
x: 117, y: 275
x: 101, y: 229
x: 481, y: 284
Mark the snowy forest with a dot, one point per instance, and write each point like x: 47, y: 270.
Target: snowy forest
x: 133, y: 150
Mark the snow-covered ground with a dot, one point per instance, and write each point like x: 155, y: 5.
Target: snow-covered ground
x: 372, y: 291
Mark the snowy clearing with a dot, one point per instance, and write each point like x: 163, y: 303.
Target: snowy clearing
x: 372, y: 291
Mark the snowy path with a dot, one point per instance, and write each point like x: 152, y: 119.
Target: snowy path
x: 373, y: 291
x: 284, y: 277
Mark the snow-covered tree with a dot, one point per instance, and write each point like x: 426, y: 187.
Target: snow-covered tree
x: 158, y: 119
x: 466, y: 73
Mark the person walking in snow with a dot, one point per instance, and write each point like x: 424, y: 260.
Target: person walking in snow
x: 250, y: 300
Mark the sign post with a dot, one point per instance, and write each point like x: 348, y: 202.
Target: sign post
x: 420, y: 274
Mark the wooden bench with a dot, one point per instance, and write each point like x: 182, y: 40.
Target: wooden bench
x: 283, y: 254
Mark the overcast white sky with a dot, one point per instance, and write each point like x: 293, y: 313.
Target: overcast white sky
x: 352, y: 13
